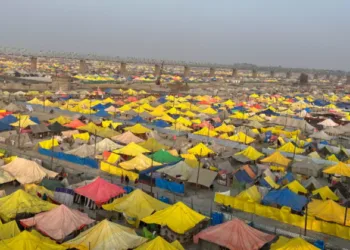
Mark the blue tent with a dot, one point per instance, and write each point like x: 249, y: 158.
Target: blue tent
x: 102, y: 113
x: 242, y: 176
x: 321, y: 103
x: 35, y: 119
x: 161, y: 124
x: 9, y: 119
x: 287, y: 178
x: 99, y: 106
x: 162, y: 100
x: 4, y: 126
x: 137, y: 119
x: 285, y: 197
x: 268, y: 112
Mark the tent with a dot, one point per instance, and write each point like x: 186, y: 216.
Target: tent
x: 206, y: 177
x: 329, y: 211
x: 30, y: 241
x: 106, y: 235
x: 137, y: 129
x: 325, y: 193
x: 106, y: 145
x: 340, y: 168
x: 234, y: 234
x: 306, y: 167
x: 75, y: 124
x: 26, y: 171
x: 157, y: 244
x: 100, y: 191
x: 83, y: 151
x: 251, y: 194
x: 136, y: 206
x: 178, y: 217
x: 321, y: 135
x: 201, y: 150
x: 57, y: 127
x: 5, y: 177
x: 160, y: 123
x: 164, y: 156
x: 205, y: 131
x: 180, y: 171
x: 4, y: 126
x: 291, y: 148
x: 62, y: 222
x: 276, y: 158
x: 132, y: 149
x: 153, y: 145
x: 127, y: 138
x: 241, y: 138
x: 22, y: 202
x: 9, y: 230
x: 296, y: 187
x: 285, y: 197
x: 250, y: 153
x: 140, y: 162
x: 293, y: 244
x: 61, y: 120
x: 328, y: 123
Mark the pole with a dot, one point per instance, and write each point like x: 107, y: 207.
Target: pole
x: 95, y: 145
x: 199, y: 166
x: 305, y: 229
x: 19, y: 130
x: 44, y: 102
x: 52, y: 141
x: 152, y: 170
x: 90, y: 109
x: 346, y: 214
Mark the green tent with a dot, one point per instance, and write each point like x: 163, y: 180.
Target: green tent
x: 163, y: 156
x: 51, y: 184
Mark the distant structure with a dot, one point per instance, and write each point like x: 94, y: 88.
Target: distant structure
x: 304, y: 78
x: 254, y: 73
x: 348, y: 79
x: 63, y: 83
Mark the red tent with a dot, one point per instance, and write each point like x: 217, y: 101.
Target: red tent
x: 75, y: 124
x: 234, y: 235
x: 100, y: 191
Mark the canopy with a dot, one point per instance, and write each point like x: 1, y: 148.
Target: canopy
x: 340, y: 168
x: 26, y: 171
x: 58, y: 222
x: 178, y: 217
x: 22, y: 202
x: 251, y: 194
x: 100, y: 191
x: 136, y: 205
x: 75, y: 124
x: 296, y: 187
x: 251, y: 153
x: 127, y: 138
x: 285, y: 197
x: 325, y: 193
x: 291, y: 148
x: 205, y: 178
x: 234, y: 235
x: 153, y: 145
x: 294, y: 244
x: 30, y: 241
x: 164, y: 156
x: 201, y: 150
x: 179, y: 170
x: 157, y: 244
x: 328, y: 123
x: 132, y: 149
x: 61, y: 120
x: 106, y: 235
x: 205, y: 131
x: 140, y: 162
x: 5, y: 177
x: 242, y: 138
x: 137, y: 129
x: 276, y: 158
x: 321, y: 135
x: 306, y: 167
x: 8, y: 230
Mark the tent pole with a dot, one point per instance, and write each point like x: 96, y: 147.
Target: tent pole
x: 306, y: 218
x: 199, y: 165
x: 152, y: 169
x: 52, y: 141
x: 346, y: 213
x: 95, y: 145
x: 19, y: 130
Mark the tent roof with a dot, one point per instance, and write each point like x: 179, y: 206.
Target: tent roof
x: 200, y: 149
x: 136, y: 204
x: 157, y: 244
x: 340, y: 168
x: 153, y: 145
x: 246, y: 237
x: 8, y: 230
x: 140, y: 162
x: 250, y: 153
x: 57, y: 127
x: 106, y: 145
x: 321, y: 135
x: 326, y: 193
x: 329, y: 211
x: 127, y: 138
x: 178, y: 217
x: 132, y: 149
x: 75, y: 124
x: 276, y: 158
x: 100, y: 191
x: 106, y: 235
x: 137, y: 129
x: 5, y: 177
x: 164, y: 156
x: 296, y: 244
x: 285, y: 197
x: 206, y: 177
x: 83, y: 151
x: 63, y: 221
x: 179, y: 170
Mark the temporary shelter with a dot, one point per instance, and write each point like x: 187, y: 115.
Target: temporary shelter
x: 99, y: 191
x: 137, y: 129
x: 293, y: 244
x: 201, y: 150
x: 127, y: 138
x: 204, y: 176
x: 26, y: 171
x: 58, y: 222
x: 340, y: 168
x: 233, y: 234
x: 140, y: 162
x: 136, y: 206
x: 250, y: 153
x: 164, y: 156
x: 306, y: 167
x: 242, y: 138
x: 285, y: 197
x: 296, y: 187
x: 276, y: 158
x: 5, y: 177
x: 75, y: 124
x: 83, y: 151
x: 22, y: 202
x: 180, y: 171
x: 132, y: 149
x: 153, y: 145
x: 106, y: 235
x: 328, y: 123
x: 321, y: 135
x: 325, y: 193
x: 159, y: 243
x: 291, y: 148
x: 251, y: 194
x: 9, y: 230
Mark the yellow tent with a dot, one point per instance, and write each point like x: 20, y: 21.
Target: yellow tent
x: 90, y: 127
x: 276, y: 158
x: 36, y: 101
x: 177, y: 244
x: 61, y: 120
x: 29, y: 241
x: 290, y: 148
x: 293, y: 244
x: 132, y: 149
x: 325, y: 193
x: 180, y: 127
x: 34, y: 189
x: 225, y: 128
x: 201, y: 150
x: 189, y: 114
x: 82, y: 136
x: 314, y: 155
x: 136, y: 205
x: 296, y: 187
x: 251, y: 153
x: 224, y: 136
x: 239, y: 115
x: 140, y: 162
x: 153, y: 145
x: 332, y: 158
x: 108, y: 100
x: 329, y: 211
x: 8, y: 230
x: 173, y: 111
x: 48, y: 144
x: 251, y: 194
x: 205, y: 131
x: 126, y: 107
x: 113, y: 158
x: 209, y: 111
x: 22, y: 202
x: 178, y: 217
x: 340, y: 168
x: 23, y: 122
x: 106, y: 124
x: 271, y: 182
x: 166, y: 118
x: 106, y: 235
x: 158, y: 244
x: 242, y: 138
x: 184, y: 121
x: 137, y: 129
x: 256, y: 118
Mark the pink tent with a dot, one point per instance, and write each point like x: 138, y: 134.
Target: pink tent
x: 234, y: 235
x: 58, y: 222
x: 100, y: 191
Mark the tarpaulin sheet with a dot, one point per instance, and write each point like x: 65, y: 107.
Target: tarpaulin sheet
x: 71, y: 158
x: 171, y: 186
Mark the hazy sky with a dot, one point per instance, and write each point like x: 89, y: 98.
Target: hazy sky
x: 298, y: 33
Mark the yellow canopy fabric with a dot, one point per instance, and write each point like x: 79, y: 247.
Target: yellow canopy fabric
x: 177, y: 244
x: 132, y: 149
x: 140, y: 162
x: 106, y: 235
x: 279, y: 243
x: 29, y: 241
x: 271, y: 182
x: 48, y: 144
x: 183, y: 121
x: 36, y: 101
x: 296, y: 187
x: 251, y: 194
x: 205, y: 131
x: 157, y: 244
x: 34, y: 189
x: 137, y: 129
x: 242, y: 138
x: 9, y: 230
x: 239, y: 115
x: 180, y: 127
x: 23, y: 122
x: 114, y: 170
x: 178, y: 217
x: 276, y: 158
x: 290, y: 148
x: 201, y: 150
x: 296, y: 244
x: 224, y: 128
x: 209, y: 111
x: 90, y: 127
x: 113, y: 158
x: 83, y: 136
x: 22, y: 202
x: 332, y: 158
x: 166, y: 118
x: 136, y: 205
x: 325, y: 193
x: 340, y: 168
x: 329, y: 211
x: 61, y: 120
x: 153, y: 145
x: 106, y: 124
x: 251, y: 153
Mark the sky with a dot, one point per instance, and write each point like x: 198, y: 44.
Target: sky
x: 298, y: 33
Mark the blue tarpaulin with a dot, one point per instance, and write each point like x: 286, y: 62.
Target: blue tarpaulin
x: 137, y: 119
x: 35, y: 119
x: 161, y: 124
x: 242, y: 176
x: 4, y: 126
x: 321, y: 103
x: 102, y: 113
x: 9, y: 119
x: 286, y: 179
x: 171, y: 186
x: 162, y: 100
x: 71, y: 158
x: 285, y: 197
